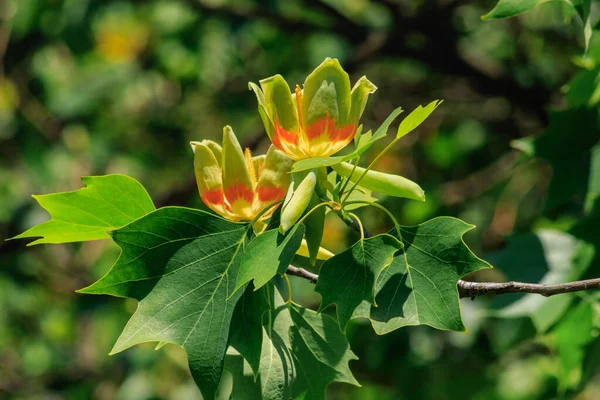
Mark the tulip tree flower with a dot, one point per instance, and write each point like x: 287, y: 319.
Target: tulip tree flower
x: 236, y: 185
x: 318, y: 120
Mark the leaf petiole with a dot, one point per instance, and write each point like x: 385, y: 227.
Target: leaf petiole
x: 289, y: 289
x: 350, y: 176
x: 313, y: 209
x: 382, y: 208
x: 264, y: 210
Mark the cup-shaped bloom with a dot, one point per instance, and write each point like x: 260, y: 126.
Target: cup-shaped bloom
x: 318, y: 120
x: 236, y: 185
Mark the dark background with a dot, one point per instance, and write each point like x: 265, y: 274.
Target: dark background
x: 97, y: 87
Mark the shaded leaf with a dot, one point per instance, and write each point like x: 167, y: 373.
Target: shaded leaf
x: 569, y: 155
x: 313, y: 376
x: 572, y: 334
x: 326, y: 341
x: 265, y: 341
x: 511, y: 8
x: 349, y: 278
x: 419, y: 287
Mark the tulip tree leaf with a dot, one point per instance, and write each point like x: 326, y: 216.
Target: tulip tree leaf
x: 366, y: 140
x: 571, y: 335
x: 511, y: 8
x: 573, y: 158
x: 268, y: 254
x: 419, y: 286
x: 348, y: 278
x: 313, y: 376
x: 181, y: 265
x: 261, y: 335
x: 246, y: 325
x: 105, y: 203
x: 416, y: 118
x: 280, y: 331
x: 322, y: 335
x: 244, y: 385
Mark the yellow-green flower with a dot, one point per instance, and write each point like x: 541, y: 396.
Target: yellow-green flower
x: 318, y: 120
x: 236, y: 185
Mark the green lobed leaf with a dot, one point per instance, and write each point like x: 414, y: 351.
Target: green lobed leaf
x: 366, y: 140
x: 244, y: 385
x: 328, y: 344
x: 325, y: 357
x: 416, y: 118
x: 572, y: 157
x: 348, y: 278
x: 181, y: 265
x: 419, y: 286
x: 266, y: 340
x: 268, y: 254
x: 511, y: 8
x: 571, y: 335
x: 105, y: 203
x: 313, y: 376
x: 245, y: 334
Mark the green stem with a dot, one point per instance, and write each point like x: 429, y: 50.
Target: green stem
x: 289, y: 289
x: 362, y: 228
x: 263, y: 211
x: 350, y: 176
x: 382, y: 208
x: 311, y: 210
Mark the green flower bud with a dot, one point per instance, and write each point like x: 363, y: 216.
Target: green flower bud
x: 388, y: 184
x: 298, y: 202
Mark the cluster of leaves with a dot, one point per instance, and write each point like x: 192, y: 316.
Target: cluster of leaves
x: 133, y: 131
x: 189, y: 271
x: 567, y: 324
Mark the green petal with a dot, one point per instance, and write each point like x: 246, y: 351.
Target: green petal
x: 215, y: 148
x: 279, y: 103
x: 262, y: 109
x: 360, y: 93
x: 329, y: 71
x: 274, y: 179
x: 379, y: 182
x: 324, y: 103
x: 237, y: 182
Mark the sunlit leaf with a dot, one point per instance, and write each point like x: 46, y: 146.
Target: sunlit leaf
x: 181, y: 265
x: 268, y: 254
x: 105, y: 203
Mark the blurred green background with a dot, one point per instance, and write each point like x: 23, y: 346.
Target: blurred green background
x: 96, y: 87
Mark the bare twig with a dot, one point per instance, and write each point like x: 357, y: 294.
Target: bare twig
x: 475, y: 289
x: 302, y: 273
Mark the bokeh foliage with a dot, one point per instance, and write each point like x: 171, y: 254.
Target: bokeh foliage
x: 98, y: 87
